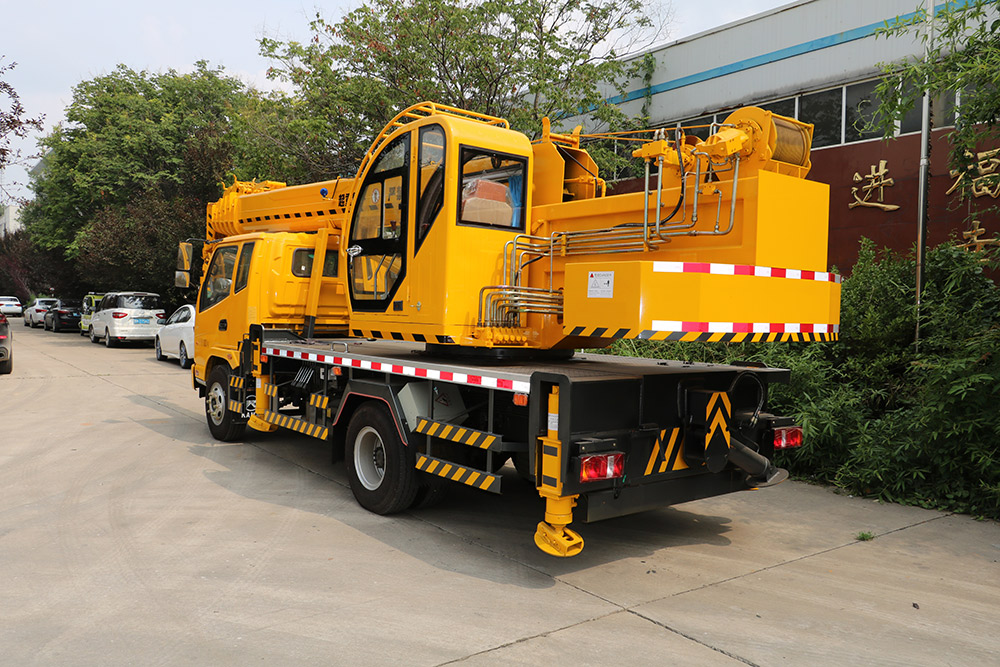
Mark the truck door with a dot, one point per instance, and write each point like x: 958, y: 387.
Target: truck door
x: 221, y: 321
x: 377, y: 243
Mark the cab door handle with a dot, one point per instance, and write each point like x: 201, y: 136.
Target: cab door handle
x: 223, y: 325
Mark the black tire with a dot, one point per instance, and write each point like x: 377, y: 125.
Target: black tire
x: 55, y: 325
x: 93, y: 336
x: 157, y: 352
x: 380, y: 468
x: 34, y: 325
x: 224, y: 424
x: 107, y: 339
x: 430, y: 493
x: 25, y: 318
x: 45, y: 325
x: 6, y: 366
x: 182, y: 356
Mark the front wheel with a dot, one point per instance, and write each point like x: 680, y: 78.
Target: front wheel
x: 224, y: 424
x: 380, y: 468
x: 157, y: 351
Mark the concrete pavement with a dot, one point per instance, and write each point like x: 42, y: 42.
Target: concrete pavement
x: 129, y: 536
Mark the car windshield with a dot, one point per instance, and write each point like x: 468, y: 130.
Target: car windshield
x: 145, y: 301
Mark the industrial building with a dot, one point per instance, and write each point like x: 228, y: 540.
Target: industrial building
x: 819, y: 61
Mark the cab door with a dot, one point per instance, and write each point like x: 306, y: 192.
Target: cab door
x: 221, y: 321
x: 377, y: 243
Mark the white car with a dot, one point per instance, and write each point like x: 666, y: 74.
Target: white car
x: 175, y: 339
x: 126, y: 316
x: 10, y: 305
x: 34, y: 314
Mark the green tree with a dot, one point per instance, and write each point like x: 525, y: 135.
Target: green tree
x: 518, y: 60
x: 127, y: 133
x: 962, y: 55
x: 14, y: 123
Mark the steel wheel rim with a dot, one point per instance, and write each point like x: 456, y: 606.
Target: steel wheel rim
x: 369, y: 458
x: 216, y: 404
x: 159, y: 353
x: 182, y: 355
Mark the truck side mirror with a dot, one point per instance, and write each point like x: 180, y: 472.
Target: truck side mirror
x: 185, y: 256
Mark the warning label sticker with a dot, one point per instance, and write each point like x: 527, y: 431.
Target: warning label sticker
x: 601, y: 285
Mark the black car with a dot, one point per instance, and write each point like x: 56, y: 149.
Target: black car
x: 63, y: 314
x: 6, y: 346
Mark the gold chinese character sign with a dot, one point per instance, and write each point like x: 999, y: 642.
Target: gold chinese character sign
x: 875, y: 183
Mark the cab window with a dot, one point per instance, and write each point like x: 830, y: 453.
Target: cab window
x: 219, y: 278
x: 431, y: 157
x: 302, y: 262
x: 492, y: 189
x: 243, y: 270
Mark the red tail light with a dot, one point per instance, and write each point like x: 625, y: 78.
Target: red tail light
x: 601, y: 466
x: 63, y: 312
x: 788, y: 437
x: 118, y: 314
x: 160, y: 316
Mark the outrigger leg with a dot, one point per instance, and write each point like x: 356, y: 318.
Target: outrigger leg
x: 552, y: 536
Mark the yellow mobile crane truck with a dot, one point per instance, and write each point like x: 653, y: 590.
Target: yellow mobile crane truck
x: 423, y: 316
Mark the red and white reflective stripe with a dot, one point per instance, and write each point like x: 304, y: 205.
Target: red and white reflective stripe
x: 744, y: 270
x: 402, y: 369
x: 743, y: 327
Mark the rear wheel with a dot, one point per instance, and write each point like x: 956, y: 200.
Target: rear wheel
x: 107, y: 339
x: 55, y: 325
x: 380, y: 467
x: 224, y: 424
x: 6, y: 366
x: 182, y: 356
x: 93, y: 335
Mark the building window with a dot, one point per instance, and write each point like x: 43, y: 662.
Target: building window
x: 824, y: 111
x: 782, y: 107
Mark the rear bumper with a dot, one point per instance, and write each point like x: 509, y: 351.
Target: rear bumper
x: 134, y: 333
x: 599, y: 505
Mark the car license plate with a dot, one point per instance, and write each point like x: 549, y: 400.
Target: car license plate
x: 142, y: 320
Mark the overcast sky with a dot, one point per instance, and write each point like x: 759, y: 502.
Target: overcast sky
x: 58, y: 43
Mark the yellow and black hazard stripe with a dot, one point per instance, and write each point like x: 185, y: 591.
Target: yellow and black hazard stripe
x: 319, y: 401
x: 270, y: 389
x: 699, y: 336
x: 463, y: 436
x: 469, y: 476
x: 396, y: 335
x: 671, y: 458
x: 235, y: 407
x: 295, y: 424
x: 717, y: 416
x: 236, y: 381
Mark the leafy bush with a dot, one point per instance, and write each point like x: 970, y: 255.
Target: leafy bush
x: 883, y: 417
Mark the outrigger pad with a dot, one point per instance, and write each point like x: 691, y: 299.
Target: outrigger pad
x: 774, y: 476
x: 558, y: 542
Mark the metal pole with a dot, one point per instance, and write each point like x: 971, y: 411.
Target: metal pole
x: 924, y: 180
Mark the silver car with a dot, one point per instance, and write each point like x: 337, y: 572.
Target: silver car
x: 34, y: 313
x: 126, y: 316
x: 176, y: 338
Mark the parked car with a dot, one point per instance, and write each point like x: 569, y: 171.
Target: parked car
x: 34, y: 314
x: 11, y: 305
x: 126, y: 316
x: 90, y: 303
x: 6, y: 346
x: 175, y: 339
x: 64, y: 314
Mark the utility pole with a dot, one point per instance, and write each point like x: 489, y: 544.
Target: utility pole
x: 923, y: 182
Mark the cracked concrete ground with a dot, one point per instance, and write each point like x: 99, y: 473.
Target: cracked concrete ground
x: 129, y: 536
